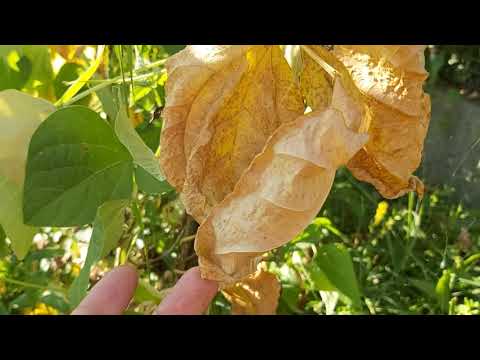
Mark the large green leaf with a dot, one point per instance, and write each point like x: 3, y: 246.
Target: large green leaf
x: 107, y: 230
x: 336, y: 263
x: 20, y: 116
x: 75, y: 164
x: 148, y: 174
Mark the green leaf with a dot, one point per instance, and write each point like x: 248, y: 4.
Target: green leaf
x: 151, y: 178
x: 149, y: 184
x: 107, y: 230
x: 83, y: 78
x: 20, y: 116
x: 3, y: 243
x: 7, y: 49
x: 335, y: 262
x: 75, y: 164
x: 113, y: 212
x: 146, y: 292
x: 20, y: 235
x: 3, y: 309
x: 443, y: 290
x: 173, y: 49
x: 427, y: 287
x: 34, y: 66
x: 318, y: 278
x: 150, y: 134
x: 41, y: 78
x: 38, y: 255
x: 56, y: 301
x: 15, y: 75
x: 108, y: 103
x: 27, y: 299
x: 288, y: 301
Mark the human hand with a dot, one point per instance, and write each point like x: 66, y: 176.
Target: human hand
x: 111, y: 296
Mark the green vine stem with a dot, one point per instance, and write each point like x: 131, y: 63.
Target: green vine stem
x: 118, y: 79
x: 34, y: 286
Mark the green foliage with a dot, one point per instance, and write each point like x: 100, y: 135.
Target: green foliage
x: 107, y: 230
x: 75, y: 164
x: 11, y: 217
x: 147, y: 169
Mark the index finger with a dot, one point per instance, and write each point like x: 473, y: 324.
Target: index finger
x: 112, y: 294
x: 190, y: 296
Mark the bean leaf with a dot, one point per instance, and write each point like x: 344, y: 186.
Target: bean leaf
x: 75, y: 164
x: 107, y: 230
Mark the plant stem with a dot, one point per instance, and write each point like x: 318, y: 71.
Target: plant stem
x: 117, y: 79
x: 329, y: 69
x: 31, y: 285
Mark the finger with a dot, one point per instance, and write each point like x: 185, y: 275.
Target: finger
x: 190, y: 296
x: 112, y: 294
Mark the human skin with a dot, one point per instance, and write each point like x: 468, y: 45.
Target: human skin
x: 111, y: 296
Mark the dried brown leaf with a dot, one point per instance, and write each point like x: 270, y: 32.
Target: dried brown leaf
x: 282, y: 190
x: 315, y: 83
x: 392, y: 79
x: 256, y: 295
x: 223, y: 102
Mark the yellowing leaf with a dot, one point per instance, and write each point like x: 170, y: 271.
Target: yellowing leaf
x: 68, y: 52
x: 392, y: 78
x: 253, y: 170
x: 282, y: 190
x: 223, y: 103
x: 20, y: 115
x: 11, y: 217
x: 315, y: 82
x: 256, y: 295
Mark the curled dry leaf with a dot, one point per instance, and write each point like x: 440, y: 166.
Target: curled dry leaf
x: 315, y: 82
x: 256, y: 295
x: 282, y: 190
x: 392, y: 78
x: 223, y: 102
x: 253, y: 170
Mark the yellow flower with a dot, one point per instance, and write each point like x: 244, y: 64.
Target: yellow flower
x: 382, y: 209
x: 3, y: 287
x: 41, y: 309
x: 75, y: 270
